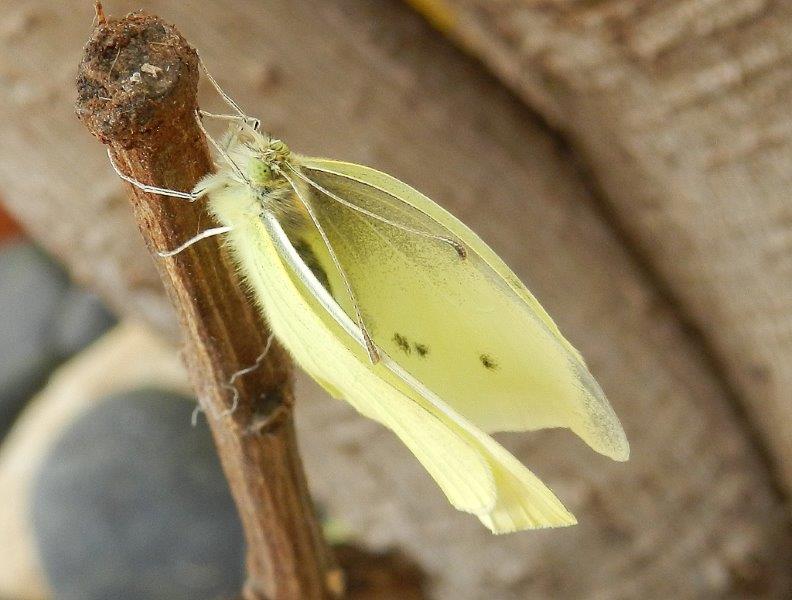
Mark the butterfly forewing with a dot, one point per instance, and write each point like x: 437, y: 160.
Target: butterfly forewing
x: 455, y: 323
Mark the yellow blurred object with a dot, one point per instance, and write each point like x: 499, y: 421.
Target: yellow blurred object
x: 438, y: 12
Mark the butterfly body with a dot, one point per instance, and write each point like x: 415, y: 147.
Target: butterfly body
x: 395, y: 306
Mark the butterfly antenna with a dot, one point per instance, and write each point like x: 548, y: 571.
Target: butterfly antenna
x: 221, y: 150
x: 456, y: 245
x: 371, y: 349
x: 256, y: 123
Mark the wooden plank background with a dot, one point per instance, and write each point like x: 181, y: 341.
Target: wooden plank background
x: 624, y: 251
x: 680, y: 111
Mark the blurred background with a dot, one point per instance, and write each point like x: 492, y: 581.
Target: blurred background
x: 631, y: 160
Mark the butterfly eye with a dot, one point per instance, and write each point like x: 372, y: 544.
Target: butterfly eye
x: 280, y: 150
x: 259, y: 171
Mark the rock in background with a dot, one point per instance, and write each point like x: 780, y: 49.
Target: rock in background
x: 131, y: 502
x: 45, y: 319
x: 127, y: 358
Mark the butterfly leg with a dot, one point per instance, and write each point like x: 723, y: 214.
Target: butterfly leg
x: 371, y: 349
x: 230, y: 385
x: 201, y: 236
x: 152, y: 189
x: 252, y: 121
x: 228, y: 100
x: 220, y: 149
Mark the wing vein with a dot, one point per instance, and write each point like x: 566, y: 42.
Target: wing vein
x: 456, y: 245
x: 368, y: 342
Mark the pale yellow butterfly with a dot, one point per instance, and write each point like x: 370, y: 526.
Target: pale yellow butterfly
x: 392, y: 304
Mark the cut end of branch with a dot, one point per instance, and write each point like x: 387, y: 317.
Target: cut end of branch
x: 138, y: 77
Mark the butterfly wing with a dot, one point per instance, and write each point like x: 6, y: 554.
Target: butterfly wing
x: 466, y: 328
x: 475, y: 472
x: 270, y: 264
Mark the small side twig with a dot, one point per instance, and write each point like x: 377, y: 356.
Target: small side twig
x: 148, y: 124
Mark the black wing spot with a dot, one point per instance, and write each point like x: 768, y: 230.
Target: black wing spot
x: 402, y: 343
x: 488, y: 362
x: 421, y: 349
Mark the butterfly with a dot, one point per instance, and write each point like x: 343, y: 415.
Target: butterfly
x: 394, y: 305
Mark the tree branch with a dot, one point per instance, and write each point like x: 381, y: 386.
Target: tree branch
x: 145, y: 116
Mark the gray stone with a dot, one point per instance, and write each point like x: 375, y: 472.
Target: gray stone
x: 31, y: 289
x: 81, y: 319
x: 131, y: 504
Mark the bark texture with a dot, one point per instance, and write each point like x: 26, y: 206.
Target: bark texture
x: 137, y: 93
x: 680, y: 112
x: 694, y: 514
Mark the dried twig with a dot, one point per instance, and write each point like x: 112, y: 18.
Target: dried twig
x: 148, y: 124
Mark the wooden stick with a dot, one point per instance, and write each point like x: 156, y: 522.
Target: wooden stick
x: 146, y: 118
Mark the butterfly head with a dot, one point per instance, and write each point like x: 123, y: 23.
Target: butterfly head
x: 265, y: 166
x: 277, y: 150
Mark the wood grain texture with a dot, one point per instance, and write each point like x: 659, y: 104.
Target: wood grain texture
x: 680, y: 110
x: 692, y: 515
